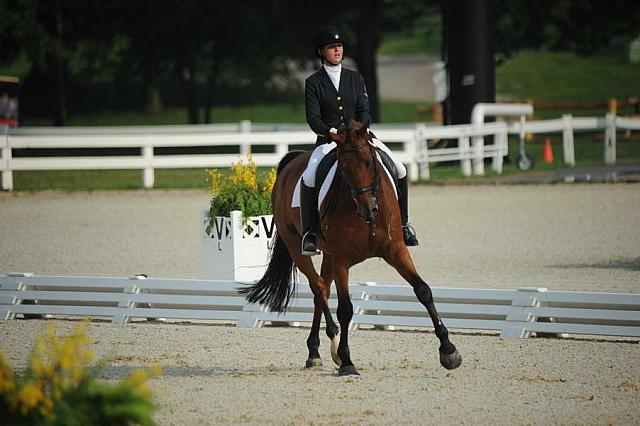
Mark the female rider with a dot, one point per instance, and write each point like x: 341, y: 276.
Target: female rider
x: 331, y: 94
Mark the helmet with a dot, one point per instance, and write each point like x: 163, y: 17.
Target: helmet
x: 326, y: 36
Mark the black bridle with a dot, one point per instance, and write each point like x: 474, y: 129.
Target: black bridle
x: 375, y: 185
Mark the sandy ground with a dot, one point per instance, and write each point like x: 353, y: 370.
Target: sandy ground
x: 563, y: 237
x: 570, y: 237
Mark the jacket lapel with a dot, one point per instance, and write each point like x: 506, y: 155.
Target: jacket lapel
x: 326, y: 80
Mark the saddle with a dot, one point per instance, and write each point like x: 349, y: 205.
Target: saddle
x: 326, y: 172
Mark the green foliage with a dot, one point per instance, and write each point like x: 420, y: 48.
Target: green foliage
x: 240, y: 191
x: 424, y: 38
x: 59, y: 388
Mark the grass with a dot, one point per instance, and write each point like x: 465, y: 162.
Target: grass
x: 392, y: 112
x: 558, y: 76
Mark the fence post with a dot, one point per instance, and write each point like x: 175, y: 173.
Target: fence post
x: 610, y: 140
x: 148, y: 176
x: 501, y: 141
x: 411, y: 147
x: 478, y: 155
x: 5, y: 164
x: 465, y: 162
x: 422, y: 153
x: 245, y: 147
x: 568, y: 151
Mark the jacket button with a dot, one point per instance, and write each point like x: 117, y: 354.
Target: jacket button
x: 339, y: 98
x: 340, y: 107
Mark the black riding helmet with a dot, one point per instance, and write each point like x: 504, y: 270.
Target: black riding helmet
x: 326, y: 36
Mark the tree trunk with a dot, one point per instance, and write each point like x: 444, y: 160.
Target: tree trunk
x: 188, y: 76
x: 209, y: 93
x: 367, y: 31
x: 153, y: 97
x: 60, y: 112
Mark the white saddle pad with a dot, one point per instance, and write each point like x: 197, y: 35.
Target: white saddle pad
x: 326, y: 184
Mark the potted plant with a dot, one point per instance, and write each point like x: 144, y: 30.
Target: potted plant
x: 238, y: 227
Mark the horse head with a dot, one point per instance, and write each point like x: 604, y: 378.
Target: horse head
x: 359, y: 168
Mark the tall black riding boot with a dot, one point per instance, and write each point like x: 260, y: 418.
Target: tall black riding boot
x: 309, y: 220
x: 408, y: 232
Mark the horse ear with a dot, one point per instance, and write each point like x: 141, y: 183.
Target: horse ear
x: 355, y: 125
x: 362, y: 131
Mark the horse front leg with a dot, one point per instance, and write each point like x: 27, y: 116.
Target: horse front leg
x: 326, y: 271
x: 345, y: 314
x: 401, y: 260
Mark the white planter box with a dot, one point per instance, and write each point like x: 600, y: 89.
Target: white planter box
x: 234, y: 251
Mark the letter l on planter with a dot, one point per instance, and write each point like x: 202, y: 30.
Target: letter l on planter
x: 235, y: 251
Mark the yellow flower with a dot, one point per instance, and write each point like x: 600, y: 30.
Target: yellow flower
x: 270, y: 181
x: 244, y: 175
x: 138, y: 378
x: 7, y: 382
x: 215, y: 178
x: 28, y: 397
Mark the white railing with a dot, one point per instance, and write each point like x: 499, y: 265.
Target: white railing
x: 148, y: 138
x: 514, y: 313
x: 412, y: 150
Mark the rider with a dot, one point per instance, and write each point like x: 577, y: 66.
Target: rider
x: 331, y: 94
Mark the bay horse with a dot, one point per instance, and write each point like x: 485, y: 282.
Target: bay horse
x: 360, y: 219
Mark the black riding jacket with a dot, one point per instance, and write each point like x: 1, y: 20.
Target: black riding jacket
x: 326, y: 108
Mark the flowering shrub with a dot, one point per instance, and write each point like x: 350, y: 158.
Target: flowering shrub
x: 240, y: 191
x: 59, y: 388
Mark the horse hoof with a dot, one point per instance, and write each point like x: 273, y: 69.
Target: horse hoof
x: 335, y: 342
x: 313, y: 362
x: 348, y: 370
x: 451, y: 361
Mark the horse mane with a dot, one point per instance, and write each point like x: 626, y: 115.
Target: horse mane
x: 287, y: 159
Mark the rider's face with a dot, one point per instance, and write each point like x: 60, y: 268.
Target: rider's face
x: 333, y: 53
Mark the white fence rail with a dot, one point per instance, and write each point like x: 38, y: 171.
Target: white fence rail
x: 412, y: 144
x: 514, y: 313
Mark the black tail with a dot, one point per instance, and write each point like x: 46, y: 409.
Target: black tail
x: 278, y: 284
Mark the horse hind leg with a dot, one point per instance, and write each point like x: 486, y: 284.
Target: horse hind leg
x: 317, y: 284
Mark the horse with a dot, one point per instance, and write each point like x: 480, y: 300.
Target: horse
x: 359, y: 219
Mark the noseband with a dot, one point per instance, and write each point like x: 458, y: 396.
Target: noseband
x: 374, y: 186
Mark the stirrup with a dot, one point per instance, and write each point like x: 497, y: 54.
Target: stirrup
x: 309, y: 244
x: 409, y: 235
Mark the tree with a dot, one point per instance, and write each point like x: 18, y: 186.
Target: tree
x: 583, y: 27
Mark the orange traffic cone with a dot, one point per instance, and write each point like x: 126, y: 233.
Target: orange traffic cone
x: 547, y: 151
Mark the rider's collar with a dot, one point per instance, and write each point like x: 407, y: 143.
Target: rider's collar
x: 332, y: 69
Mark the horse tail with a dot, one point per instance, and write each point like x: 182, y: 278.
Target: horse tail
x: 278, y: 284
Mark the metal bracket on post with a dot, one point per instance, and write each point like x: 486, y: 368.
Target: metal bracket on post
x: 249, y: 319
x: 518, y: 317
x: 6, y: 301
x: 126, y: 303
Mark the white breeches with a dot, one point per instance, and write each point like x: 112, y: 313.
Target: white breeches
x: 309, y: 175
